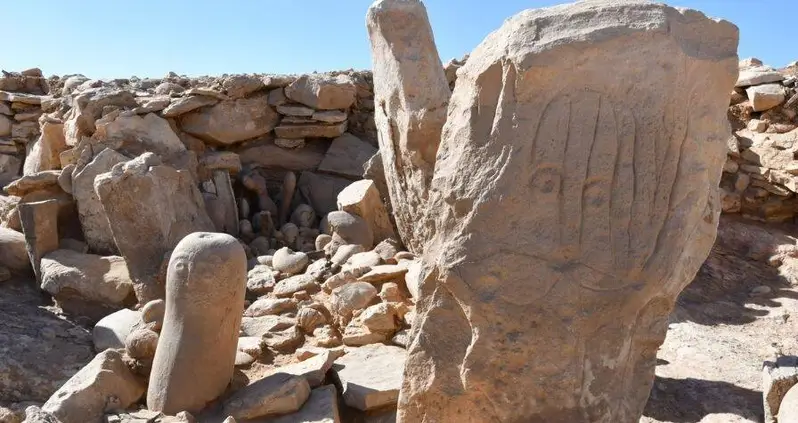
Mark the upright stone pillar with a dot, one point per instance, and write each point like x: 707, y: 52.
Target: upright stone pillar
x: 205, y: 285
x: 575, y: 194
x: 410, y: 97
x: 40, y: 225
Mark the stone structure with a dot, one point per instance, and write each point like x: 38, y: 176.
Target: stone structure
x: 570, y: 190
x: 411, y: 95
x: 196, y: 351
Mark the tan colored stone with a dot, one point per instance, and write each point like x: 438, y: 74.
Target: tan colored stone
x: 276, y: 394
x: 310, y: 130
x: 40, y: 225
x: 371, y: 376
x: 361, y: 198
x: 608, y: 218
x: 87, y: 284
x: 45, y: 152
x: 411, y: 87
x: 197, y: 348
x: 320, y: 407
x: 150, y: 208
x: 39, y: 181
x: 13, y: 254
x: 267, y: 154
x: 187, y: 104
x: 137, y: 134
x: 347, y: 156
x: 232, y: 121
x: 324, y: 92
x: 765, y: 97
x: 104, y: 384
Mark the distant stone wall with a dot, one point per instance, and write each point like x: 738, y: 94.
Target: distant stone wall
x: 760, y: 178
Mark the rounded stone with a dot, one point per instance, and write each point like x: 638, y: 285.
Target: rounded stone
x: 153, y: 312
x: 321, y: 241
x: 303, y: 216
x: 352, y: 229
x: 290, y: 262
x: 141, y: 344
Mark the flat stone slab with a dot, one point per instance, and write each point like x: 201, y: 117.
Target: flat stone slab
x: 321, y: 407
x: 313, y: 369
x: 371, y: 376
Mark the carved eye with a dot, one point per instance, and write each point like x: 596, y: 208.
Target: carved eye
x: 546, y: 181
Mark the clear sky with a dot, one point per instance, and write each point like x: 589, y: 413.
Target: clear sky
x: 148, y: 38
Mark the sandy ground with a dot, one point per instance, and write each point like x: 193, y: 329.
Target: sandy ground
x: 709, y: 368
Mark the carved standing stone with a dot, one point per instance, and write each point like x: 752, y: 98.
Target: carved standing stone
x: 195, y: 358
x: 410, y: 96
x: 574, y: 196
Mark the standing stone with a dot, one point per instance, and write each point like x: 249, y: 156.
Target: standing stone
x: 93, y: 219
x: 13, y: 253
x: 150, y: 208
x: 411, y: 92
x: 221, y: 206
x: 40, y: 225
x: 573, y: 199
x: 195, y: 358
x: 361, y: 198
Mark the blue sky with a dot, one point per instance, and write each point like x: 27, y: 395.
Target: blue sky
x: 114, y: 38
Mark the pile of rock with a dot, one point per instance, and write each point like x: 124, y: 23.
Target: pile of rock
x: 760, y: 178
x: 21, y: 104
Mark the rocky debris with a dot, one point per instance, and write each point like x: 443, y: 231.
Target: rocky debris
x: 138, y: 134
x: 104, y: 384
x: 273, y: 395
x: 87, y: 284
x: 34, y: 414
x: 289, y: 286
x: 350, y: 229
x: 473, y: 284
x: 112, y: 330
x: 778, y: 377
x: 204, y: 299
x: 45, y: 152
x: 370, y: 376
x: 150, y: 208
x: 188, y: 104
x: 411, y: 86
x: 261, y: 280
x: 314, y: 369
x: 261, y: 325
x: 345, y: 300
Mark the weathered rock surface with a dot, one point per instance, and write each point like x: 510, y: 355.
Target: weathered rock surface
x: 39, y: 350
x: 362, y: 199
x: 112, y: 330
x: 150, y: 208
x: 320, y: 407
x: 13, y: 254
x: 232, y: 121
x: 268, y: 155
x: 197, y: 348
x: 371, y: 376
x: 778, y: 377
x: 93, y: 219
x: 277, y: 394
x: 40, y: 224
x: 411, y: 87
x: 139, y: 134
x: 611, y: 215
x: 323, y: 91
x: 105, y: 384
x: 346, y: 156
x: 321, y: 191
x: 87, y: 284
x: 313, y: 369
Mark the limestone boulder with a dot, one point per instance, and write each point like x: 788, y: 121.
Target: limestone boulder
x: 350, y: 229
x: 45, y: 153
x: 93, y: 219
x: 273, y: 395
x: 362, y: 199
x: 232, y: 121
x: 258, y: 326
x: 261, y: 280
x: 545, y: 149
x: 112, y: 330
x: 13, y: 254
x: 765, y: 97
x: 410, y: 84
x: 289, y: 262
x: 320, y: 407
x: 371, y: 376
x: 239, y: 86
x: 324, y: 92
x: 150, y: 208
x: 188, y: 104
x: 310, y: 130
x: 350, y: 297
x: 10, y: 167
x: 346, y: 156
x: 757, y: 75
x: 87, y: 284
x: 105, y: 384
x: 39, y: 181
x: 138, y: 134
x: 287, y: 287
x: 269, y: 306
